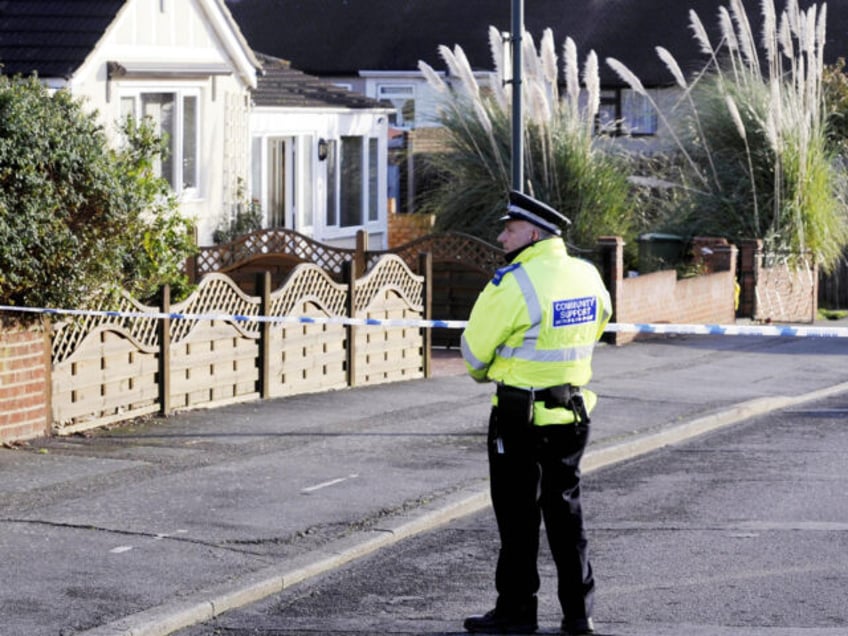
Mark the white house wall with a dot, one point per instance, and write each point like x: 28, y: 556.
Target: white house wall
x: 268, y: 122
x: 174, y: 32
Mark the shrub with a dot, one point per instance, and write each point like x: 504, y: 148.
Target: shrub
x: 565, y: 163
x: 75, y: 214
x: 755, y: 157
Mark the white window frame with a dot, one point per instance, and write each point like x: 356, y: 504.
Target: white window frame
x: 369, y: 197
x: 399, y: 94
x: 178, y: 158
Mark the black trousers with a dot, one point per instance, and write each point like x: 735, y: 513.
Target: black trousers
x: 534, y: 473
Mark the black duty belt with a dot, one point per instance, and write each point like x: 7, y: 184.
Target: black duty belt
x: 564, y: 395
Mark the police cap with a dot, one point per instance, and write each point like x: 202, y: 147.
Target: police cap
x: 522, y: 207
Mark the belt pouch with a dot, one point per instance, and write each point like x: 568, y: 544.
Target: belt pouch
x: 515, y: 407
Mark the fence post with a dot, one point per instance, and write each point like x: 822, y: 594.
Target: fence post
x: 425, y: 268
x: 47, y: 326
x: 349, y: 274
x: 165, y: 352
x: 191, y: 261
x: 263, y: 286
x: 361, y: 257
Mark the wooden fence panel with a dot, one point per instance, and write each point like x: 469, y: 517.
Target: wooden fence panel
x: 385, y: 354
x: 214, y: 364
x: 108, y: 378
x: 104, y: 368
x: 210, y: 350
x: 305, y: 358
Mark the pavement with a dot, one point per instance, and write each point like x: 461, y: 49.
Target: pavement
x: 149, y: 527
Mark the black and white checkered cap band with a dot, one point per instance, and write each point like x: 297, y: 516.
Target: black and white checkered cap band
x: 515, y: 212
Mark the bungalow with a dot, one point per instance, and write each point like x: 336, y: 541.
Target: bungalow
x: 318, y: 157
x: 233, y: 132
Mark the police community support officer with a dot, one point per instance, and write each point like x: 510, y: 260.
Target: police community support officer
x: 532, y: 331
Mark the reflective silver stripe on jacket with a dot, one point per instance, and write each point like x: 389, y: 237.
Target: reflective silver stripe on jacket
x: 468, y: 355
x: 528, y: 348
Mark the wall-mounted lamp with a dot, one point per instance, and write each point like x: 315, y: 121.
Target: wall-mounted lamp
x: 323, y: 149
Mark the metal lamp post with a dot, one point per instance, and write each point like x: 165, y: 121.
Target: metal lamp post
x: 517, y: 120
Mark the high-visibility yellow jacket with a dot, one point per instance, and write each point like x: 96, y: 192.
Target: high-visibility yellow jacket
x: 535, y: 324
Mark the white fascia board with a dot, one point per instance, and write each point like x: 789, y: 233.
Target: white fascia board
x: 81, y: 70
x: 232, y: 39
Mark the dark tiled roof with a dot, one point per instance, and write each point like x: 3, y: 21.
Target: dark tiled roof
x: 339, y: 37
x: 51, y: 37
x: 281, y: 85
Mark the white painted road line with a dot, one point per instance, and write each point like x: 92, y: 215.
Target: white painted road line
x: 326, y: 484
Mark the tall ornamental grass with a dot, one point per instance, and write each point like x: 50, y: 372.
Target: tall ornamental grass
x: 755, y: 160
x: 565, y: 163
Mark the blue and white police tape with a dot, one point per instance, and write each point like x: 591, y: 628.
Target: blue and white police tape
x: 239, y: 318
x: 788, y: 331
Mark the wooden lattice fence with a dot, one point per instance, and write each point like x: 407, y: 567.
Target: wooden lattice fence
x: 262, y: 248
x: 461, y: 265
x: 113, y: 367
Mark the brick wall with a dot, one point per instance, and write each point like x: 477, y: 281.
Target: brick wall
x: 24, y: 382
x: 660, y: 297
x: 404, y: 228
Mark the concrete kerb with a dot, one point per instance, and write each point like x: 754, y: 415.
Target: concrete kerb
x: 616, y: 452
x: 207, y: 604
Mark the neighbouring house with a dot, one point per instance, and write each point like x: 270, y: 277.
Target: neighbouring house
x: 182, y: 63
x: 373, y: 46
x: 235, y: 132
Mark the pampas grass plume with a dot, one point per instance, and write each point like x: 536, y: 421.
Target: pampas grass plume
x: 548, y: 57
x: 700, y: 32
x: 672, y: 65
x: 572, y: 82
x: 592, y: 79
x: 734, y: 114
x: 626, y: 75
x: 432, y: 77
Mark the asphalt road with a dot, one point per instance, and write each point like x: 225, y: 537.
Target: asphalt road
x: 155, y: 525
x: 740, y: 532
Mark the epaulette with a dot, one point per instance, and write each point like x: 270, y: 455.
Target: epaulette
x: 499, y: 274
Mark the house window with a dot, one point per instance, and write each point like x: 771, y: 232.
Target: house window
x: 626, y: 112
x: 175, y: 116
x: 402, y: 97
x: 638, y: 114
x: 353, y: 173
x: 373, y: 177
x: 332, y: 178
x: 350, y: 181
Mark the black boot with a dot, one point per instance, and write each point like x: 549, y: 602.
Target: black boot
x: 505, y: 619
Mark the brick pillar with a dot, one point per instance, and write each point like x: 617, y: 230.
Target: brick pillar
x: 611, y: 259
x: 24, y: 381
x: 749, y: 264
